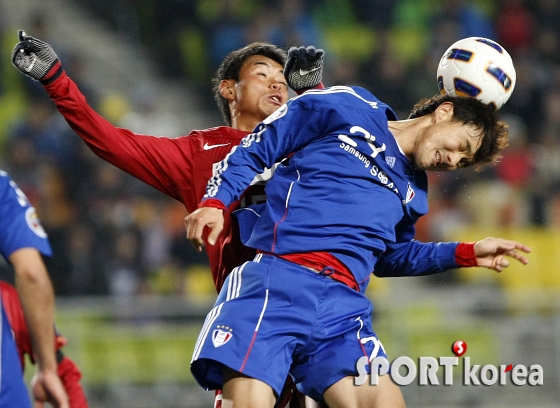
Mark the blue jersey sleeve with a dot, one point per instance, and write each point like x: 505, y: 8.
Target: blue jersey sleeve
x: 408, y: 257
x: 287, y: 130
x: 19, y: 224
x: 415, y: 258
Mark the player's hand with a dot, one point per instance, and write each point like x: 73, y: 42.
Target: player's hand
x: 36, y: 59
x: 304, y: 67
x: 492, y: 253
x: 196, y: 222
x: 47, y: 387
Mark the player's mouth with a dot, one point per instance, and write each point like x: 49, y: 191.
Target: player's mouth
x: 438, y: 159
x: 276, y: 99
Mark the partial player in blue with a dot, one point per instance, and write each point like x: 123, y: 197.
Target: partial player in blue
x: 343, y: 205
x: 22, y: 241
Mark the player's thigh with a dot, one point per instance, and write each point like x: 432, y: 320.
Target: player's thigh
x: 344, y: 394
x: 242, y: 391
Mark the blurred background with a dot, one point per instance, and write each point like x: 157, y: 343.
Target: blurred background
x: 132, y: 293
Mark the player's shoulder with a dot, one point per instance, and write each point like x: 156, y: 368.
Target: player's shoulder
x: 346, y: 101
x: 339, y: 94
x: 216, y: 139
x: 4, y: 178
x: 7, y: 187
x: 220, y: 132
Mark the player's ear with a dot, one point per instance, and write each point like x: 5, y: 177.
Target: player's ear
x: 227, y: 89
x: 444, y: 111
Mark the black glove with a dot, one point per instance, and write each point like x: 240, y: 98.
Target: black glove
x: 36, y: 59
x: 304, y: 67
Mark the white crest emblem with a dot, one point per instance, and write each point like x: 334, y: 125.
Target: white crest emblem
x: 409, y: 194
x: 221, y: 337
x: 34, y: 223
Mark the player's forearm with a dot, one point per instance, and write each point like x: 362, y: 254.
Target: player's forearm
x: 99, y: 134
x: 147, y: 158
x: 415, y: 258
x: 37, y: 301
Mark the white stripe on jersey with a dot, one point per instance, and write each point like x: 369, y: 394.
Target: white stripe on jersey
x: 234, y: 287
x: 210, y: 319
x: 290, y: 190
x: 217, y: 169
x: 262, y: 312
x: 337, y: 89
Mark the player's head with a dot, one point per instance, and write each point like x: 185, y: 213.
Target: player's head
x: 478, y: 120
x: 233, y: 67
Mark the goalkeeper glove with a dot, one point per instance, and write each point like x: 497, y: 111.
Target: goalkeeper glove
x: 304, y: 68
x: 36, y: 59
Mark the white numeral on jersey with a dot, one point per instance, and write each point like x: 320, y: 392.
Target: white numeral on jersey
x: 370, y: 139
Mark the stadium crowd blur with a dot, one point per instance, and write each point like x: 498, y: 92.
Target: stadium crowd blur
x: 113, y: 235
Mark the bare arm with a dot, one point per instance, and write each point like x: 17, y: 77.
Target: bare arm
x: 37, y: 300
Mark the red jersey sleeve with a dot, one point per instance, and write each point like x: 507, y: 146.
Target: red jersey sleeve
x: 70, y: 376
x: 179, y: 167
x: 12, y: 306
x: 164, y: 163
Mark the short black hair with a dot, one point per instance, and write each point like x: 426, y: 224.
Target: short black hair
x: 231, y: 66
x: 471, y: 111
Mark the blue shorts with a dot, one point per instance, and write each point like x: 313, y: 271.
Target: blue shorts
x: 13, y: 392
x: 273, y: 317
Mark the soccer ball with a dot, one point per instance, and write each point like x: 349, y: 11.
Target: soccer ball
x: 477, y: 67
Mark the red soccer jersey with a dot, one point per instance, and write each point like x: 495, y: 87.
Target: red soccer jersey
x: 179, y: 167
x: 12, y: 306
x: 68, y: 372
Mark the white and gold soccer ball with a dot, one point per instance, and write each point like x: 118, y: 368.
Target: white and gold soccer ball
x: 477, y: 67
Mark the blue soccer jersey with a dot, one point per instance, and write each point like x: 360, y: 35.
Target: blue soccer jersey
x: 348, y: 189
x: 19, y: 224
x: 19, y: 228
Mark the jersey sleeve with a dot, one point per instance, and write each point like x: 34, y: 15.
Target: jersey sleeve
x: 287, y: 130
x: 155, y: 160
x: 415, y: 258
x: 19, y: 225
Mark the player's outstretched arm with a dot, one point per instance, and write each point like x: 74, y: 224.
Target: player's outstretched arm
x: 493, y: 253
x: 304, y: 68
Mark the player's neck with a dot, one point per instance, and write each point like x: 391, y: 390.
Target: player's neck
x: 244, y: 123
x: 406, y: 132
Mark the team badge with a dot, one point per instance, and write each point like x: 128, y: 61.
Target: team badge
x: 221, y: 337
x: 33, y: 223
x: 409, y: 194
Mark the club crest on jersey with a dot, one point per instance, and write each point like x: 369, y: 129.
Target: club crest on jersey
x: 221, y: 337
x: 409, y: 194
x: 33, y: 223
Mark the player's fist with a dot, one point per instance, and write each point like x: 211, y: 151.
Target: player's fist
x: 36, y: 59
x: 304, y: 67
x: 197, y: 221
